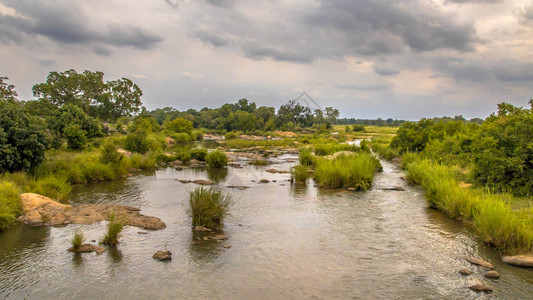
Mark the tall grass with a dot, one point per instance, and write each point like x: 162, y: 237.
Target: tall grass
x: 78, y: 238
x: 10, y: 204
x: 208, y: 207
x: 114, y: 229
x: 347, y: 171
x: 216, y: 159
x: 380, y: 145
x: 305, y: 157
x: 330, y: 148
x: 491, y: 214
x: 299, y: 174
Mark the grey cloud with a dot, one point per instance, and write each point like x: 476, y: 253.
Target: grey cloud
x: 474, y: 1
x: 461, y: 70
x: 257, y: 51
x: 385, y: 69
x: 67, y: 24
x: 47, y: 62
x: 525, y: 15
x: 212, y: 38
x: 513, y: 71
x: 364, y: 87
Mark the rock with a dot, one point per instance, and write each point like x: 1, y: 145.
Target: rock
x: 271, y: 171
x: 94, y: 241
x: 86, y: 248
x: 142, y: 232
x: 481, y: 287
x: 492, y: 274
x: 164, y: 255
x: 227, y: 246
x: 184, y: 181
x: 178, y: 168
x: 283, y: 171
x: 479, y: 262
x: 264, y: 180
x: 465, y: 271
x: 217, y: 237
x: 203, y: 182
x: 274, y: 181
x: 39, y: 210
x: 125, y: 152
x: 519, y: 260
x: 177, y: 162
x: 240, y: 187
x: 351, y: 189
x: 162, y: 164
x: 202, y: 228
x: 310, y: 171
x: 393, y: 188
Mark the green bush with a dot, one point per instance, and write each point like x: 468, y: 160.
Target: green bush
x: 53, y: 186
x: 258, y: 162
x: 199, y: 154
x: 182, y: 137
x: 179, y: 125
x: 216, y: 159
x: 109, y: 154
x: 330, y: 148
x: 76, y: 137
x: 137, y: 142
x: 10, y: 204
x: 197, y: 135
x: 347, y: 171
x: 208, y: 207
x: 306, y: 158
x: 231, y: 135
x: 358, y: 128
x: 114, y: 230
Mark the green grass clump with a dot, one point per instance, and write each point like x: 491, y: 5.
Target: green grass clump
x: 258, y: 162
x: 54, y: 187
x: 10, y: 204
x: 330, y: 148
x: 216, y: 159
x: 208, y: 207
x: 114, y: 229
x: 492, y: 215
x: 109, y: 154
x: 299, y: 174
x: 78, y: 239
x: 306, y: 157
x: 199, y: 154
x: 347, y: 171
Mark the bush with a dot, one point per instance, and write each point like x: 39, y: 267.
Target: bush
x: 197, y: 135
x: 216, y: 159
x: 78, y: 239
x: 76, y: 137
x: 109, y: 154
x: 10, y: 204
x: 306, y: 158
x: 114, y: 229
x: 347, y: 171
x: 53, y: 186
x: 182, y: 137
x: 179, y: 125
x: 22, y: 138
x: 231, y: 135
x: 199, y: 154
x: 208, y: 207
x: 299, y: 174
x: 137, y: 142
x: 358, y: 128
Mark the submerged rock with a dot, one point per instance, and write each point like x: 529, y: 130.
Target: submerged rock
x: 479, y: 262
x: 519, y: 260
x: 217, y: 237
x: 393, y: 188
x: 271, y: 171
x: 481, y: 287
x: 240, y: 187
x: 184, y: 181
x: 203, y: 182
x: 465, y: 271
x: 264, y: 180
x: 202, y: 228
x: 86, y: 248
x: 492, y: 274
x: 39, y: 210
x: 164, y: 255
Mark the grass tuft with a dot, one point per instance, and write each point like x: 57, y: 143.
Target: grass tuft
x: 208, y: 207
x: 114, y: 230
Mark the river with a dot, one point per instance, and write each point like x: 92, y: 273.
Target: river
x: 287, y: 242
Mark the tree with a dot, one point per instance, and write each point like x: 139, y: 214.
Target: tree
x: 179, y: 125
x: 76, y: 137
x: 295, y: 113
x: 331, y: 114
x: 105, y: 100
x: 246, y: 106
x: 73, y: 115
x: 22, y: 137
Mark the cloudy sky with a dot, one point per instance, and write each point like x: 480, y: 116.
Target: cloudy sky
x: 369, y: 58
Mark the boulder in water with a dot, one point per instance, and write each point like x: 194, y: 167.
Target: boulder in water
x: 481, y: 287
x: 163, y: 255
x: 465, y: 271
x: 519, y: 260
x: 86, y: 248
x: 479, y: 262
x: 492, y: 274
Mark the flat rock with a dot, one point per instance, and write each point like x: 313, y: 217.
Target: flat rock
x: 202, y: 228
x: 492, y: 274
x: 240, y: 187
x: 216, y: 237
x: 178, y: 168
x: 479, y: 262
x: 86, y: 248
x: 519, y: 260
x: 203, y: 182
x: 465, y: 271
x: 392, y: 188
x: 163, y: 255
x: 271, y: 171
x: 264, y: 180
x: 39, y: 210
x: 481, y: 287
x: 351, y: 189
x: 184, y: 181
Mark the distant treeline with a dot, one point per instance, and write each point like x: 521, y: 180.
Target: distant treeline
x: 395, y: 123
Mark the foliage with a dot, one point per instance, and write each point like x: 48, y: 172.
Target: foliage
x: 197, y: 135
x: 199, y: 154
x: 330, y: 148
x: 216, y: 159
x: 137, y: 142
x: 179, y: 125
x: 78, y: 238
x: 305, y: 157
x: 114, y: 228
x: 10, y: 204
x: 76, y: 137
x: 358, y: 128
x: 182, y: 137
x: 72, y: 115
x: 109, y: 154
x: 299, y: 174
x: 22, y: 137
x: 347, y: 171
x: 208, y: 207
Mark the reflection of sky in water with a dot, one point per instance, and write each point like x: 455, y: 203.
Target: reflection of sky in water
x: 287, y: 241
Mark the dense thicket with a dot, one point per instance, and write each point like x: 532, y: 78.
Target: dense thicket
x: 499, y: 151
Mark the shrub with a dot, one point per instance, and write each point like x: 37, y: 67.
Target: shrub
x: 76, y: 137
x: 114, y: 229
x: 78, y: 238
x: 182, y: 137
x: 197, y: 135
x: 358, y: 128
x: 179, y: 125
x: 306, y: 158
x: 299, y: 174
x: 136, y: 142
x: 10, y: 204
x: 216, y: 159
x: 53, y: 186
x: 208, y: 207
x: 199, y: 154
x: 348, y: 171
x: 109, y: 154
x: 231, y: 135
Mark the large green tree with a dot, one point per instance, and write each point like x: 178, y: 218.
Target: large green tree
x: 105, y: 100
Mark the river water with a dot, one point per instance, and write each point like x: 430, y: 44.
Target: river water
x: 287, y: 242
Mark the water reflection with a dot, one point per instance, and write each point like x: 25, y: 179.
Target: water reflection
x: 217, y: 174
x: 204, y: 251
x: 21, y: 236
x: 114, y: 254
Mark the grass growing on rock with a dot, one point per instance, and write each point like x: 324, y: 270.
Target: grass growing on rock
x: 114, y: 229
x: 208, y: 207
x: 347, y: 171
x: 216, y: 159
x: 299, y: 174
x: 78, y: 238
